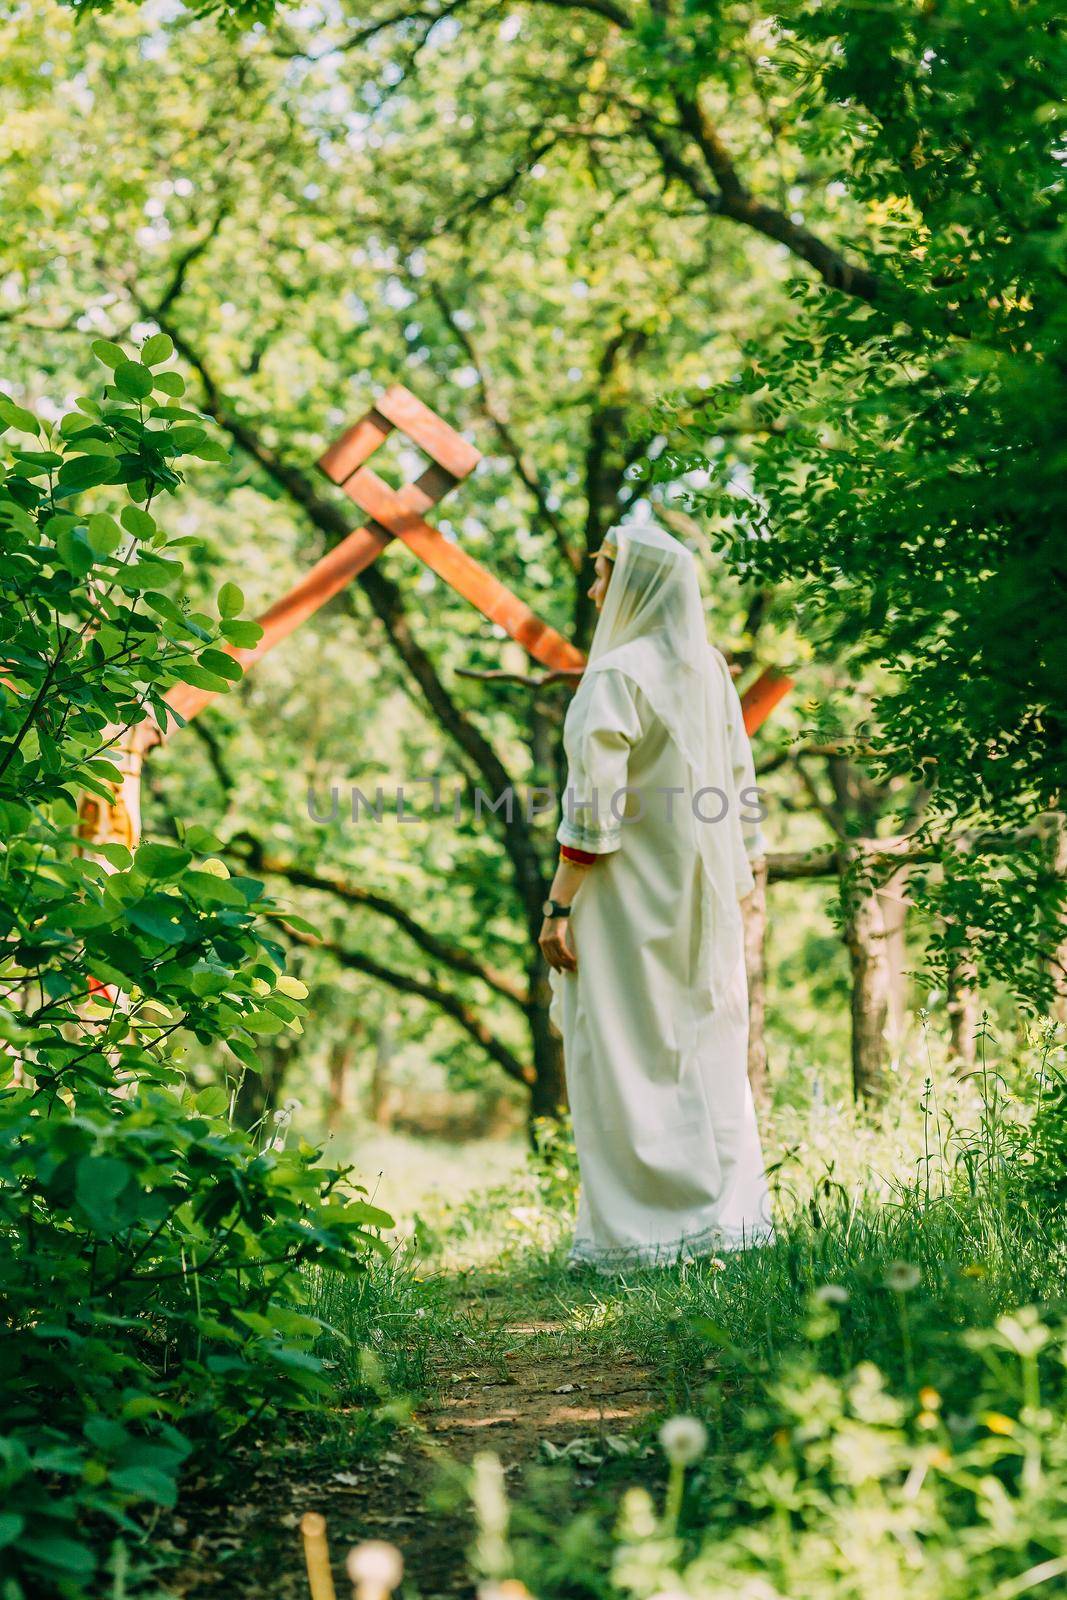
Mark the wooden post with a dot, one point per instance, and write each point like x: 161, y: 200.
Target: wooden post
x: 317, y: 1556
x: 756, y: 969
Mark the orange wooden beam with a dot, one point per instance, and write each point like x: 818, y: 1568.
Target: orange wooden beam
x: 761, y: 697
x: 453, y: 459
x: 325, y: 579
x: 401, y: 512
x: 430, y: 432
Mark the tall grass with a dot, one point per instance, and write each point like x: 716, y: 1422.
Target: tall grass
x: 881, y: 1388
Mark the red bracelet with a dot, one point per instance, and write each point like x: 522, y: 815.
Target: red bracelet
x: 583, y: 858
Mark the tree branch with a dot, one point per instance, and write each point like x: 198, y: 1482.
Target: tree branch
x: 260, y: 859
x: 460, y: 1012
x: 787, y: 865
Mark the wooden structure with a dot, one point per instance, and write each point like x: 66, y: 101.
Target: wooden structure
x: 399, y: 515
x: 393, y: 516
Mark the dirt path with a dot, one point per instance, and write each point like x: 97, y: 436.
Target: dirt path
x: 533, y: 1396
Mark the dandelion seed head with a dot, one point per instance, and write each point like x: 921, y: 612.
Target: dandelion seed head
x: 376, y: 1564
x: 684, y: 1440
x: 902, y: 1277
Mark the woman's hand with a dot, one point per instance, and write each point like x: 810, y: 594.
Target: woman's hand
x: 557, y: 944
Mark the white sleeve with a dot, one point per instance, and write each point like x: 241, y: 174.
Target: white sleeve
x: 598, y: 752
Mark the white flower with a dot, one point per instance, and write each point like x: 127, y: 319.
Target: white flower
x: 902, y: 1276
x: 375, y: 1565
x: 831, y: 1294
x: 684, y: 1440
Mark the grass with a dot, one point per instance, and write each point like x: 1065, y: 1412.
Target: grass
x: 867, y: 1420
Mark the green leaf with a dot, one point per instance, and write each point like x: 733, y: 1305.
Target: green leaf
x: 85, y: 472
x: 18, y: 417
x: 157, y: 349
x: 105, y: 535
x: 170, y: 382
x: 74, y: 422
x: 112, y: 355
x: 222, y: 665
x: 299, y: 924
x: 133, y: 379
x: 246, y: 1053
x: 75, y: 551
x: 161, y: 860
x: 243, y: 635
x: 213, y: 1102
x: 117, y: 854
x: 98, y: 1182
x: 210, y: 450
x: 231, y: 600
x: 62, y: 1555
x: 158, y: 921
x: 147, y: 1483
x: 11, y: 1525
x: 138, y: 522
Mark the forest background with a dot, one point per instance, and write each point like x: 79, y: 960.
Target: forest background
x: 793, y: 277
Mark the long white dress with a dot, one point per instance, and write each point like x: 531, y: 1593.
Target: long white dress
x: 656, y: 1062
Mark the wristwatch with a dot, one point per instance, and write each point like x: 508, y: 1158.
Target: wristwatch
x: 552, y: 908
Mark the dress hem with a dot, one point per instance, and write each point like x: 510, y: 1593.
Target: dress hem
x: 689, y: 1247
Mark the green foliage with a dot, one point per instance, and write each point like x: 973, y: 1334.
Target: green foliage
x: 904, y: 466
x: 151, y: 1255
x: 880, y: 1390
x: 230, y: 14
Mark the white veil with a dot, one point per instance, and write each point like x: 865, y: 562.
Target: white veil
x: 652, y: 629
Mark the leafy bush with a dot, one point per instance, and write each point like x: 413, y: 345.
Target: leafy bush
x: 150, y: 1270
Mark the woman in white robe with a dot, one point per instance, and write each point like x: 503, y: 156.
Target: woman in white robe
x: 644, y: 931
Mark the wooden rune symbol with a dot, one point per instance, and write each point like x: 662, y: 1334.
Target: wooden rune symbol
x: 398, y: 515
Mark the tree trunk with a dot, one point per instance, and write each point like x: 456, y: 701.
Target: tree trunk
x: 865, y: 937
x: 339, y: 1061
x: 756, y: 968
x: 381, y: 1109
x: 962, y: 1010
x: 894, y: 902
x: 548, y: 1092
